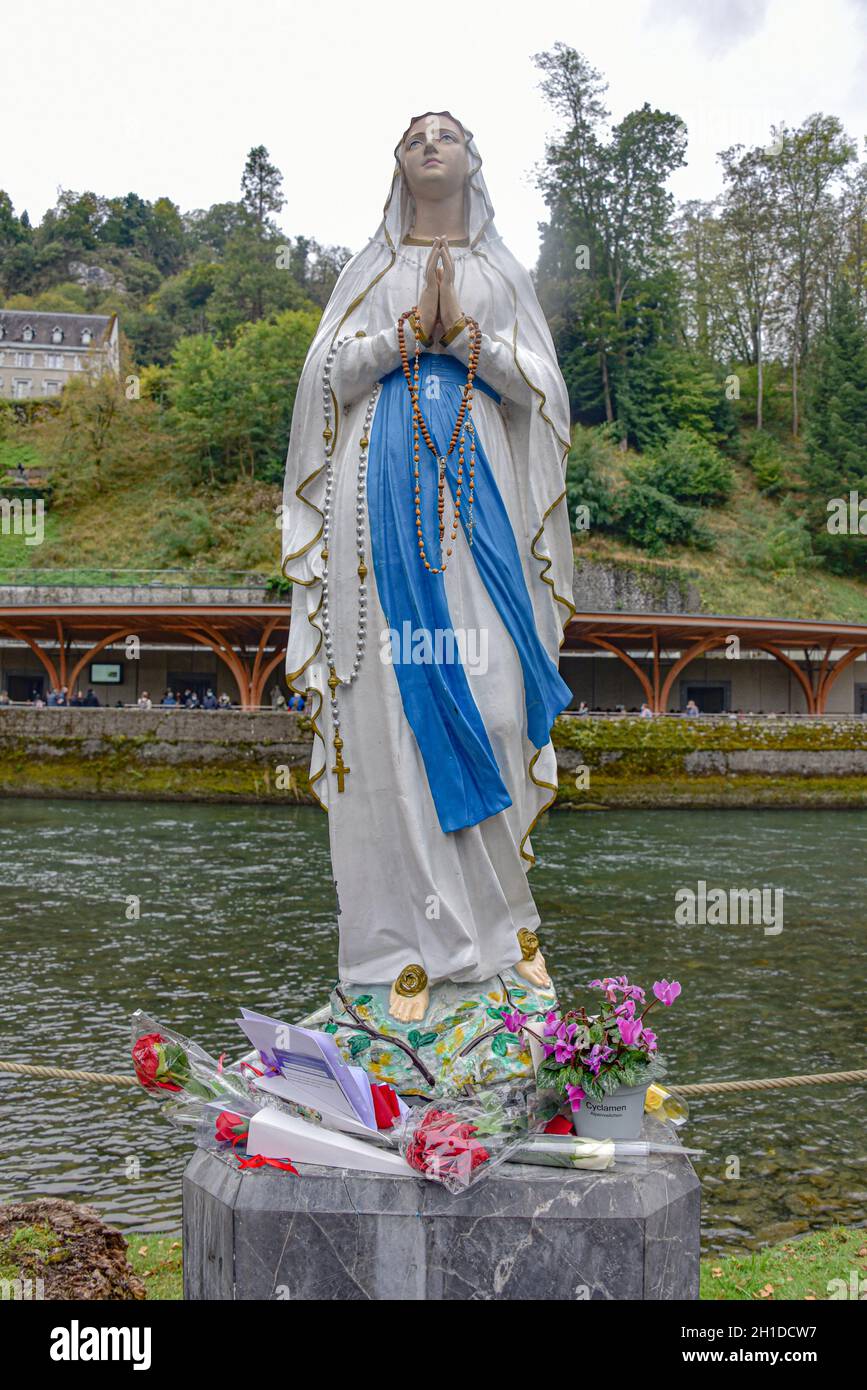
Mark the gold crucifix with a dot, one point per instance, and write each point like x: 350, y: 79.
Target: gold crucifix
x: 340, y: 767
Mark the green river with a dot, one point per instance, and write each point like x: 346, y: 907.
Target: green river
x: 237, y: 907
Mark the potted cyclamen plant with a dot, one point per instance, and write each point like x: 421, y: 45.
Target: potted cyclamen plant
x: 602, y: 1064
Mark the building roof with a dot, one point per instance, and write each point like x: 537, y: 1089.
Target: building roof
x: 14, y: 321
x: 681, y: 630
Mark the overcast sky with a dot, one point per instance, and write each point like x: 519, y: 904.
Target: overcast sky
x: 167, y: 97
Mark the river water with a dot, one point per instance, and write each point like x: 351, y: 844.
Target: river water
x: 236, y: 906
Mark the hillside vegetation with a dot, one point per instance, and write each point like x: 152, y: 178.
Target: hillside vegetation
x: 715, y: 356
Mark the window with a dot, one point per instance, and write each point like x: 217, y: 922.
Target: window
x: 86, y: 337
x: 54, y: 360
x: 27, y: 334
x: 24, y: 359
x: 51, y: 388
x: 57, y: 335
x: 21, y: 388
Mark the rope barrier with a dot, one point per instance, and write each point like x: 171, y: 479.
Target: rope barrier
x: 770, y: 1083
x: 65, y: 1074
x: 697, y: 1088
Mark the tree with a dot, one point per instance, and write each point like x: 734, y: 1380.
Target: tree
x: 231, y: 407
x: 610, y: 208
x: 750, y: 251
x: 837, y: 431
x: 261, y: 188
x: 811, y: 158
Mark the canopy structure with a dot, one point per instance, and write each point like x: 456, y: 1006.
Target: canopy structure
x: 815, y: 653
x: 249, y: 637
x: 247, y: 629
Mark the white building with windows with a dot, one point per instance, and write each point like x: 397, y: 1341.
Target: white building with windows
x: 41, y: 352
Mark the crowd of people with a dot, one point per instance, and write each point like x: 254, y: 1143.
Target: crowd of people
x: 689, y: 711
x: 60, y: 698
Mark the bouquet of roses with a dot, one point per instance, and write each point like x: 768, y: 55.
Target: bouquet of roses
x: 592, y: 1054
x: 463, y: 1143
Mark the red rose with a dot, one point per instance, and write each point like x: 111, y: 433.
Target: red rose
x: 231, y: 1128
x: 443, y: 1145
x: 149, y: 1060
x: 559, y: 1125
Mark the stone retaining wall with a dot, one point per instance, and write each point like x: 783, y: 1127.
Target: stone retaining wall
x: 233, y: 755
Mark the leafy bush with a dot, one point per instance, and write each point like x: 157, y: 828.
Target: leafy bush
x: 587, y: 484
x: 766, y: 459
x: 653, y: 520
x: 184, y: 532
x: 231, y: 407
x: 785, y: 550
x: 669, y: 389
x: 689, y: 469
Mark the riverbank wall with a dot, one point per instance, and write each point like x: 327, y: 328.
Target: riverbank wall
x: 239, y: 756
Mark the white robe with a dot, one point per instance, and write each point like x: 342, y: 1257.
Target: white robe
x: 408, y: 892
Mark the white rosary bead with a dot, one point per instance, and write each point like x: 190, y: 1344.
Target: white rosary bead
x: 360, y: 504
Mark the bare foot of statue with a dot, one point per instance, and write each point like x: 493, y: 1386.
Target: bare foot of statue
x: 410, y: 996
x: 534, y: 971
x: 408, y: 1010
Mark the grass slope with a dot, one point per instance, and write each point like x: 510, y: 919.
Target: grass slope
x: 156, y: 521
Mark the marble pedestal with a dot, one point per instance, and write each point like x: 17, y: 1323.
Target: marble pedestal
x: 524, y: 1232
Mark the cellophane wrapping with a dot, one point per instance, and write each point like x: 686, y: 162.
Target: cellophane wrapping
x: 459, y: 1142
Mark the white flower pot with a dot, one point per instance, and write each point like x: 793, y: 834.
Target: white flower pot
x: 618, y: 1116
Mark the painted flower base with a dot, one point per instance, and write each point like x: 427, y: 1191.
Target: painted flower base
x: 461, y: 1042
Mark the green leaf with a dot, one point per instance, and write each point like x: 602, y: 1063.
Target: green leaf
x: 500, y: 1045
x: 426, y: 1038
x: 330, y: 1028
x: 363, y: 999
x: 359, y: 1042
x: 496, y: 1013
x: 413, y: 1037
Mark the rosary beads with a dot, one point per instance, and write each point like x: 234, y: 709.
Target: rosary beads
x: 340, y: 768
x: 463, y: 424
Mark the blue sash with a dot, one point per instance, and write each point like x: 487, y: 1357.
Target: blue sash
x: 462, y: 771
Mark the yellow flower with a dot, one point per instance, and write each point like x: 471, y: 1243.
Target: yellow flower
x: 654, y: 1098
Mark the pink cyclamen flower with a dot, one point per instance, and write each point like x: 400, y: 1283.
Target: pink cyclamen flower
x: 552, y: 1023
x: 650, y: 1040
x: 627, y: 1008
x: 596, y: 1056
x: 630, y: 1030
x: 515, y: 1021
x: 666, y: 992
x: 576, y: 1095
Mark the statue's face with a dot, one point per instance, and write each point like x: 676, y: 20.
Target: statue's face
x: 434, y: 158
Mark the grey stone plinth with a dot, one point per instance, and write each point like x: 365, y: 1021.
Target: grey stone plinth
x: 524, y: 1232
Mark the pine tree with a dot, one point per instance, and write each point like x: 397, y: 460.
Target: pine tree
x: 837, y: 432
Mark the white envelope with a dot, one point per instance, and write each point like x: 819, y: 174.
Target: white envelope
x: 274, y: 1134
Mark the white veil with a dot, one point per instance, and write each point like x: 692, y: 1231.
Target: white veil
x: 540, y: 432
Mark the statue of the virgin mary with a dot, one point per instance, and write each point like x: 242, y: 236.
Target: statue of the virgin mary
x: 427, y: 539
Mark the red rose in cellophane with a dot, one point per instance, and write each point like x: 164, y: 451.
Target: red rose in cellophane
x: 442, y: 1147
x: 160, y: 1065
x: 231, y: 1128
